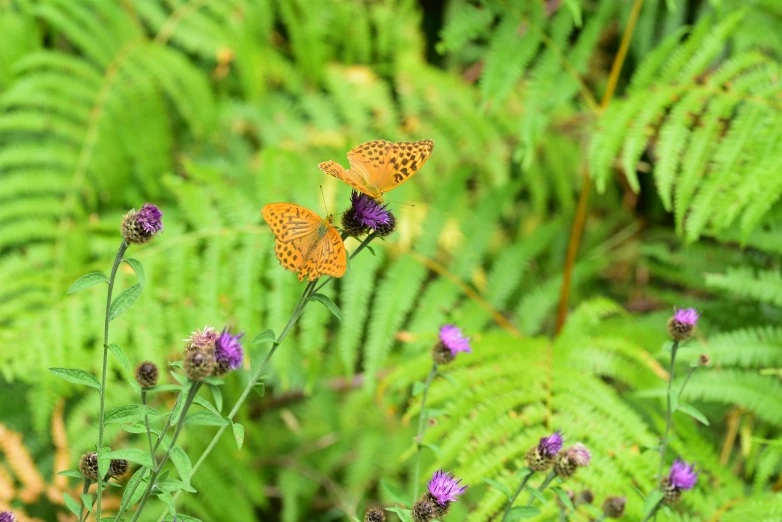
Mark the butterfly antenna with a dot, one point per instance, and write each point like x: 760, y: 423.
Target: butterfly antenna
x: 323, y: 195
x: 399, y: 203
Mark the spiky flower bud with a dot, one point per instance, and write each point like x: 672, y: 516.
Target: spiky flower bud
x: 199, y: 364
x: 424, y: 510
x: 147, y: 374
x: 569, y: 460
x: 375, y: 515
x: 118, y: 467
x: 201, y: 339
x: 682, y: 477
x: 681, y: 325
x: 585, y: 497
x: 671, y: 494
x: 450, y: 342
x: 443, y: 489
x: 88, y: 465
x: 7, y: 516
x: 139, y: 227
x: 614, y: 507
x: 704, y: 359
x: 541, y: 456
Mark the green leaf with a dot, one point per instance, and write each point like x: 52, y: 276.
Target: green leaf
x: 136, y: 455
x: 74, y: 506
x: 76, y: 376
x: 435, y: 448
x: 354, y: 519
x: 522, y: 513
x: 140, y: 427
x: 652, y: 501
x: 135, y: 479
x: 71, y: 473
x: 213, y: 380
x: 404, y: 514
x: 175, y: 364
x: 394, y: 492
x: 138, y: 268
x: 523, y: 472
x: 265, y: 336
x: 120, y: 355
x: 86, y: 499
x: 86, y: 281
x: 564, y: 497
x: 328, y: 303
x: 181, y: 518
x: 206, y: 404
x: 673, y: 395
x: 693, y: 412
x: 124, y: 301
x: 537, y: 494
x: 238, y: 434
x: 103, y: 461
x: 260, y: 389
x: 575, y: 10
x: 163, y: 388
x: 498, y: 486
x: 174, y: 485
x: 168, y: 500
x: 205, y: 418
x: 129, y: 413
x: 418, y: 388
x: 180, y: 403
x: 217, y: 395
x: 182, y: 463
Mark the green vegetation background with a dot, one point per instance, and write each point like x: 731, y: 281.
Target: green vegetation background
x: 212, y: 108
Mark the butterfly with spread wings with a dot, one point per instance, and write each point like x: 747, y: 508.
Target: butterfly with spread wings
x: 379, y: 166
x: 305, y: 243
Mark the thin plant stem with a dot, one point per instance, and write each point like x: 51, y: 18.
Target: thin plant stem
x: 421, y: 429
x: 653, y: 512
x: 516, y: 495
x: 146, y: 423
x: 151, y: 485
x: 687, y: 379
x: 84, y: 491
x: 551, y: 476
x: 669, y: 412
x: 123, y: 506
x: 117, y: 260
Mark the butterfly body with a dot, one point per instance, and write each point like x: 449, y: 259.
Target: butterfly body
x: 378, y: 166
x: 304, y: 242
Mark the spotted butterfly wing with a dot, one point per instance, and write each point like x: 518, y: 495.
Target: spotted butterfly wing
x: 304, y: 242
x: 379, y: 166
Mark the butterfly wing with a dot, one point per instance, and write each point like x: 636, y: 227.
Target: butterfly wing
x: 331, y: 254
x: 289, y: 221
x: 387, y: 165
x: 357, y: 179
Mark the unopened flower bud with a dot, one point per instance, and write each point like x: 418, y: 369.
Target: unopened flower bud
x: 199, y: 364
x: 375, y: 515
x: 614, y: 507
x: 585, y: 497
x: 704, y: 359
x: 147, y: 374
x: 569, y: 460
x: 424, y: 510
x: 118, y: 467
x: 541, y: 456
x: 88, y: 465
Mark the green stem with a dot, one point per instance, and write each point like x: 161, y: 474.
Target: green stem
x: 151, y: 485
x: 516, y: 495
x: 117, y: 260
x: 84, y: 491
x: 123, y: 505
x: 551, y: 476
x: 653, y: 512
x: 421, y: 429
x: 687, y: 379
x: 669, y: 413
x: 146, y: 423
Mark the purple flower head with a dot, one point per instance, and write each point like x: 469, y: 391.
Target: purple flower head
x: 150, y: 218
x: 201, y: 338
x: 444, y: 487
x: 7, y: 516
x: 552, y: 444
x: 453, y: 339
x: 228, y: 351
x: 369, y: 212
x: 686, y: 316
x: 579, y: 454
x: 682, y: 475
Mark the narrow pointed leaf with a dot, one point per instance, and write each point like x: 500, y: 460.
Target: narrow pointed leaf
x: 328, y: 303
x: 76, y: 376
x: 86, y: 281
x: 124, y: 301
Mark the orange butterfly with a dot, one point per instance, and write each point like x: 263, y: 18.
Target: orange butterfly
x: 378, y: 166
x: 304, y: 242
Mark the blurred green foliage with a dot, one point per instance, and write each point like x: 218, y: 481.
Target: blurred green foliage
x: 212, y: 109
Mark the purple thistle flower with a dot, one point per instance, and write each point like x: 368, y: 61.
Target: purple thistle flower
x: 7, y: 516
x: 150, y: 218
x: 551, y: 445
x: 444, y: 487
x: 579, y: 454
x: 453, y: 339
x: 369, y: 212
x: 686, y: 316
x: 682, y: 476
x: 229, y: 353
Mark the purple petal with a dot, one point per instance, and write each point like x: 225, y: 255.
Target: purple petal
x: 453, y: 339
x: 686, y: 316
x: 445, y: 488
